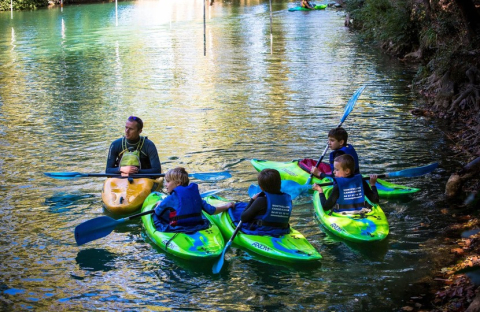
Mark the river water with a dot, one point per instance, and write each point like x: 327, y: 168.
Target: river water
x: 69, y: 79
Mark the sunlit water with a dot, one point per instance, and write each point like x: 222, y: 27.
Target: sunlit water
x: 69, y: 79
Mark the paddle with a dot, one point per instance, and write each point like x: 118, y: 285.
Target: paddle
x: 102, y: 226
x: 206, y: 176
x: 288, y: 186
x: 295, y: 189
x: 348, y: 109
x: 217, y: 266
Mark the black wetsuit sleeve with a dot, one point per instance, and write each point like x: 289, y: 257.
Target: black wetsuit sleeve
x: 113, y: 152
x: 155, y: 166
x: 371, y: 193
x: 329, y: 203
x: 255, y: 207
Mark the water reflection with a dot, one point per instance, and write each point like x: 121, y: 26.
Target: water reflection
x: 69, y: 79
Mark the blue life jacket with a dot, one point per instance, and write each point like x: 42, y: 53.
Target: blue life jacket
x: 275, y: 221
x: 348, y: 149
x: 189, y: 210
x: 352, y: 196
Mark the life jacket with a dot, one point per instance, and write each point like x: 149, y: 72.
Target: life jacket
x: 189, y: 210
x: 352, y: 196
x: 131, y: 158
x: 275, y: 221
x: 347, y: 149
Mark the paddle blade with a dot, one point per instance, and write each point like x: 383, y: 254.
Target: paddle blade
x: 253, y: 189
x: 94, y: 229
x: 413, y: 172
x: 64, y: 175
x: 351, y: 103
x: 292, y: 188
x: 217, y: 266
x: 211, y: 176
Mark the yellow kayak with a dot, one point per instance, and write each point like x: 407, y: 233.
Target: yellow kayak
x: 123, y: 196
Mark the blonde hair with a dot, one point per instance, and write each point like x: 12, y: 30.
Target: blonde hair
x: 178, y: 175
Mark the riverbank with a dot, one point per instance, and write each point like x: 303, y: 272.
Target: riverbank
x: 444, y: 41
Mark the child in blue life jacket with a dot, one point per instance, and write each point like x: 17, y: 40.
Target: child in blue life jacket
x: 337, y: 142
x: 181, y: 211
x: 268, y: 212
x: 350, y: 190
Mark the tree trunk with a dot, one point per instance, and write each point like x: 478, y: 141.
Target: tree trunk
x: 471, y: 19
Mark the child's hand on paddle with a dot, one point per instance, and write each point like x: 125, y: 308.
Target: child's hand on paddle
x: 317, y: 188
x: 315, y: 171
x: 373, y: 179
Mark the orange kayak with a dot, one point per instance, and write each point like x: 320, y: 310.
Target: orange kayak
x: 123, y: 196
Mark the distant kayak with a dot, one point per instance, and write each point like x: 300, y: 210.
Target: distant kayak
x: 292, y: 247
x: 204, y: 244
x: 123, y: 196
x: 290, y: 170
x: 316, y: 7
x: 369, y: 226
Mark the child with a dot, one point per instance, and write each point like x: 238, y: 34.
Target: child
x: 337, y: 142
x: 181, y: 211
x: 350, y: 190
x: 268, y: 212
x: 307, y: 5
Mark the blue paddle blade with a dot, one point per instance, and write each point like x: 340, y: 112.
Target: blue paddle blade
x: 96, y: 228
x: 413, y: 172
x: 217, y: 266
x: 64, y: 175
x: 292, y: 188
x: 212, y: 176
x: 253, y: 189
x: 351, y: 103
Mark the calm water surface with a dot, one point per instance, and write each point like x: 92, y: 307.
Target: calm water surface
x: 69, y: 79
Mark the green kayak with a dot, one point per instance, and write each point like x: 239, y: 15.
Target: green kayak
x: 316, y: 7
x: 292, y: 247
x: 290, y: 170
x: 367, y: 227
x: 203, y: 244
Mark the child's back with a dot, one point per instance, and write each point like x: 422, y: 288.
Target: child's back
x: 268, y: 212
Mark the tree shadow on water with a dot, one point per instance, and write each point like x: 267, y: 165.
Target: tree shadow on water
x: 373, y: 251
x: 95, y: 260
x: 61, y: 202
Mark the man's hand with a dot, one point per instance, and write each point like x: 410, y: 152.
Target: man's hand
x: 128, y: 170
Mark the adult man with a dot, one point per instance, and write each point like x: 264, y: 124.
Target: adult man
x: 133, y: 153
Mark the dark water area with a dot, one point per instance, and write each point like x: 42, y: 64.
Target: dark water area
x: 68, y: 80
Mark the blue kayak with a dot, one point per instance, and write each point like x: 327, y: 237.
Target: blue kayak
x: 316, y: 7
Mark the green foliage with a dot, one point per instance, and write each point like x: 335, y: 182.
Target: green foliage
x: 22, y: 4
x: 385, y: 20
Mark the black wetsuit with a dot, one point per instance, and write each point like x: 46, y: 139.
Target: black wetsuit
x: 148, y: 156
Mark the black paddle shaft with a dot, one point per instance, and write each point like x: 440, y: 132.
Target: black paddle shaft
x: 141, y: 214
x: 365, y: 178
